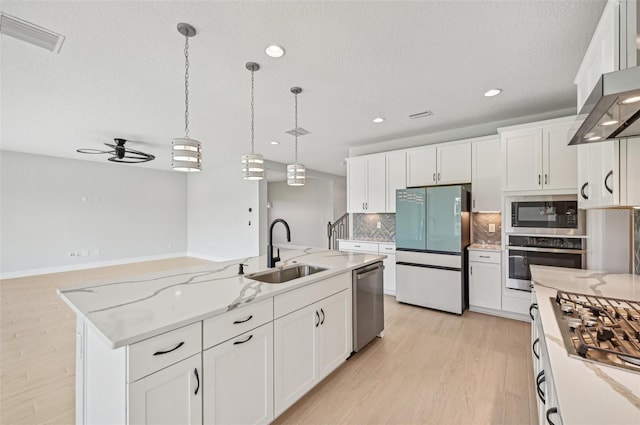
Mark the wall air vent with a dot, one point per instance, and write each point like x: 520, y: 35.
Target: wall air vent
x: 421, y: 115
x: 30, y: 33
x: 297, y: 132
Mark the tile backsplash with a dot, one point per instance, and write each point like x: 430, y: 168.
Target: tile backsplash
x: 636, y: 241
x: 365, y: 227
x: 480, y: 227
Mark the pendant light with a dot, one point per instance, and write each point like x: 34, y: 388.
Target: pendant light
x: 186, y: 154
x: 252, y: 163
x: 296, y: 172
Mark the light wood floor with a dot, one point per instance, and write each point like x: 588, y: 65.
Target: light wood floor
x: 430, y: 368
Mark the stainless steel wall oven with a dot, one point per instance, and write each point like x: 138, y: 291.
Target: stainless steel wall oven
x: 544, y: 251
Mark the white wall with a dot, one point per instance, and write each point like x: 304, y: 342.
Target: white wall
x: 306, y: 208
x: 52, y: 206
x: 339, y: 198
x: 218, y: 204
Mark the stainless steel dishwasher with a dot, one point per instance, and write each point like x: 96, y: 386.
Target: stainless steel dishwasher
x: 368, y: 304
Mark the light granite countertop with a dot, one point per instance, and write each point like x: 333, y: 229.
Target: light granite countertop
x: 485, y: 247
x: 588, y: 393
x: 127, y: 311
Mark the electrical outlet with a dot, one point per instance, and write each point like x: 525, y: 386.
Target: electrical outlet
x: 379, y: 225
x: 492, y: 228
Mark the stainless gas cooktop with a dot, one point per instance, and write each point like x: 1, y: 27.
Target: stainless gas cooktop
x: 600, y: 329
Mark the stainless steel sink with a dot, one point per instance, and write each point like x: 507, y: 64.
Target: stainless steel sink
x: 286, y: 273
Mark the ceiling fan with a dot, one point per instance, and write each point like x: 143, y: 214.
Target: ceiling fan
x: 120, y: 153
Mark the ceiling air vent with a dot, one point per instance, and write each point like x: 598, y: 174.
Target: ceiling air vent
x: 297, y: 132
x: 421, y: 115
x: 30, y: 33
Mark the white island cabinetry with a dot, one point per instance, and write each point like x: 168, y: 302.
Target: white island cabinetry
x: 205, y: 344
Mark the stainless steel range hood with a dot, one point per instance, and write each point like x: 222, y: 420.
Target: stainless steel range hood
x: 612, y: 110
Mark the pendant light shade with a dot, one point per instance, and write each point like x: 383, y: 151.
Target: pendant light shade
x: 252, y: 163
x: 296, y: 173
x: 186, y: 153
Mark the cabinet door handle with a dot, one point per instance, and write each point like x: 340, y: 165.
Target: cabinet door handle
x: 474, y: 203
x: 159, y: 353
x: 434, y: 176
x: 550, y: 412
x: 322, y: 311
x: 195, y: 372
x: 438, y: 176
x: 582, y: 189
x: 546, y: 179
x: 539, y: 381
x: 531, y: 307
x: 533, y: 348
x: 237, y: 322
x: 317, y: 317
x: 609, y: 174
x: 539, y: 179
x: 242, y: 342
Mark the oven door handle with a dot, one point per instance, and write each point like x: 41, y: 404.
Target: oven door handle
x: 551, y: 250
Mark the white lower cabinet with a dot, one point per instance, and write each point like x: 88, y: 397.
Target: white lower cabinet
x: 485, y: 285
x: 239, y: 379
x: 170, y: 396
x: 309, y: 344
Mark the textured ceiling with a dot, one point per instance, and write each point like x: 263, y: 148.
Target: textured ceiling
x: 120, y: 73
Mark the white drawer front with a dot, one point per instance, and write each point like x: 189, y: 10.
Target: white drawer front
x: 358, y: 246
x: 485, y: 256
x: 298, y: 298
x: 153, y: 354
x: 386, y: 249
x: 221, y: 328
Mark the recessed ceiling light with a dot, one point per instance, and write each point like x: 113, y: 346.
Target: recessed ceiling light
x: 608, y: 123
x: 492, y: 92
x: 274, y: 51
x: 275, y: 142
x: 633, y: 99
x: 378, y: 120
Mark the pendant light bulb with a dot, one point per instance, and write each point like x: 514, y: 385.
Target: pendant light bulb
x: 186, y: 153
x: 296, y: 173
x: 252, y: 163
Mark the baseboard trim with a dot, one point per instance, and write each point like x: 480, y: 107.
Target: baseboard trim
x: 74, y: 267
x: 500, y: 313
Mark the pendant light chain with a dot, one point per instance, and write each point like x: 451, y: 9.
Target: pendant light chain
x: 252, y: 114
x: 296, y: 128
x: 186, y: 87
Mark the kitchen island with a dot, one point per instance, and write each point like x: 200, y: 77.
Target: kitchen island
x: 207, y: 343
x: 582, y: 392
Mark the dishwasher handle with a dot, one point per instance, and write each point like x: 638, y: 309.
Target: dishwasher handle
x: 367, y: 273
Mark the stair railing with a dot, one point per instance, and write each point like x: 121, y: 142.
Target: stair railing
x: 338, y: 230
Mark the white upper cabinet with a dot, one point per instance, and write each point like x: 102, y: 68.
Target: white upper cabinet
x: 560, y: 161
x: 608, y: 174
x: 366, y: 185
x: 602, y: 55
x: 536, y: 157
x: 396, y: 177
x: 485, y: 176
x: 435, y: 165
x: 421, y: 167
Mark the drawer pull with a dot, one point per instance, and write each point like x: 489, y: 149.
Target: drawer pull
x: 242, y: 342
x: 356, y: 246
x: 540, y: 380
x: 550, y: 412
x: 531, y: 307
x: 159, y: 353
x: 195, y: 372
x: 484, y: 256
x: 533, y: 348
x: 237, y: 322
